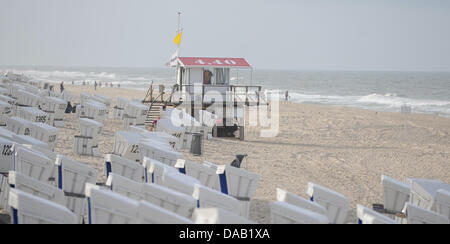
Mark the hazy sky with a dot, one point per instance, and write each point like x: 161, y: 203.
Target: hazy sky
x: 281, y: 34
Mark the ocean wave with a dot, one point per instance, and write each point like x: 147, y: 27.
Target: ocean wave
x: 395, y: 101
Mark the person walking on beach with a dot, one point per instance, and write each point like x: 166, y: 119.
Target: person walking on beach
x: 286, y: 95
x: 95, y: 85
x: 61, y: 87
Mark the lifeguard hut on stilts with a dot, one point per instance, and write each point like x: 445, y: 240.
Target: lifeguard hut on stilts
x: 203, y: 83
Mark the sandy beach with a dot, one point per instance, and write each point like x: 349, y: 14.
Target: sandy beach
x: 342, y: 148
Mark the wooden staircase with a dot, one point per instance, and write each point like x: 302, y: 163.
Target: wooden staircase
x: 153, y: 113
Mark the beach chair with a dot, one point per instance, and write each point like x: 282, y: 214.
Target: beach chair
x: 152, y: 214
x: 52, y: 156
x: 11, y: 101
x: 37, y: 188
x: 6, y: 134
x: 33, y: 164
x: 442, y: 203
x: 32, y: 114
x: 7, y: 155
x: 72, y: 179
x: 86, y: 146
x: 165, y: 125
x: 284, y: 213
x: 67, y: 96
x: 217, y: 216
x: 126, y: 144
x: 180, y: 182
x: 28, y: 140
x: 125, y: 186
x: 124, y: 167
x: 93, y: 110
x: 369, y: 216
x: 208, y: 120
x: 27, y: 99
x: 337, y: 205
x: 418, y: 215
x: 13, y: 90
x: 155, y: 170
x: 18, y: 125
x: 5, y: 112
x: 395, y: 194
x: 159, y: 151
x: 44, y: 133
x: 156, y: 136
x: 4, y: 191
x: 136, y: 113
x: 119, y: 109
x: 102, y: 99
x: 107, y: 207
x: 209, y: 198
x: 423, y: 192
x: 238, y: 183
x: 4, y: 91
x: 55, y: 108
x: 169, y: 199
x: 206, y: 175
x: 287, y: 197
x: 29, y: 209
x: 90, y: 129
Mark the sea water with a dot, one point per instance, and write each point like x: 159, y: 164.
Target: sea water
x: 424, y: 92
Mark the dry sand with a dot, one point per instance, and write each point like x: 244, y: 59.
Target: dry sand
x: 344, y: 149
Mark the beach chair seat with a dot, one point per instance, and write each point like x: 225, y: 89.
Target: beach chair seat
x: 126, y: 144
x: 7, y: 155
x: 29, y: 209
x: 124, y: 167
x: 217, y: 216
x: 287, y: 197
x: 93, y: 110
x: 107, y: 207
x: 284, y: 213
x: 337, y: 205
x: 423, y: 192
x: 86, y: 146
x: 44, y: 133
x: 5, y: 112
x: 206, y: 175
x: 169, y: 199
x: 442, y: 203
x: 395, y: 193
x: 159, y: 151
x: 417, y: 215
x: 32, y: 114
x: 37, y: 188
x: 33, y: 164
x: 155, y: 170
x: 209, y: 198
x: 72, y: 179
x: 4, y: 191
x: 152, y: 214
x: 369, y: 216
x: 18, y: 125
x: 125, y: 186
